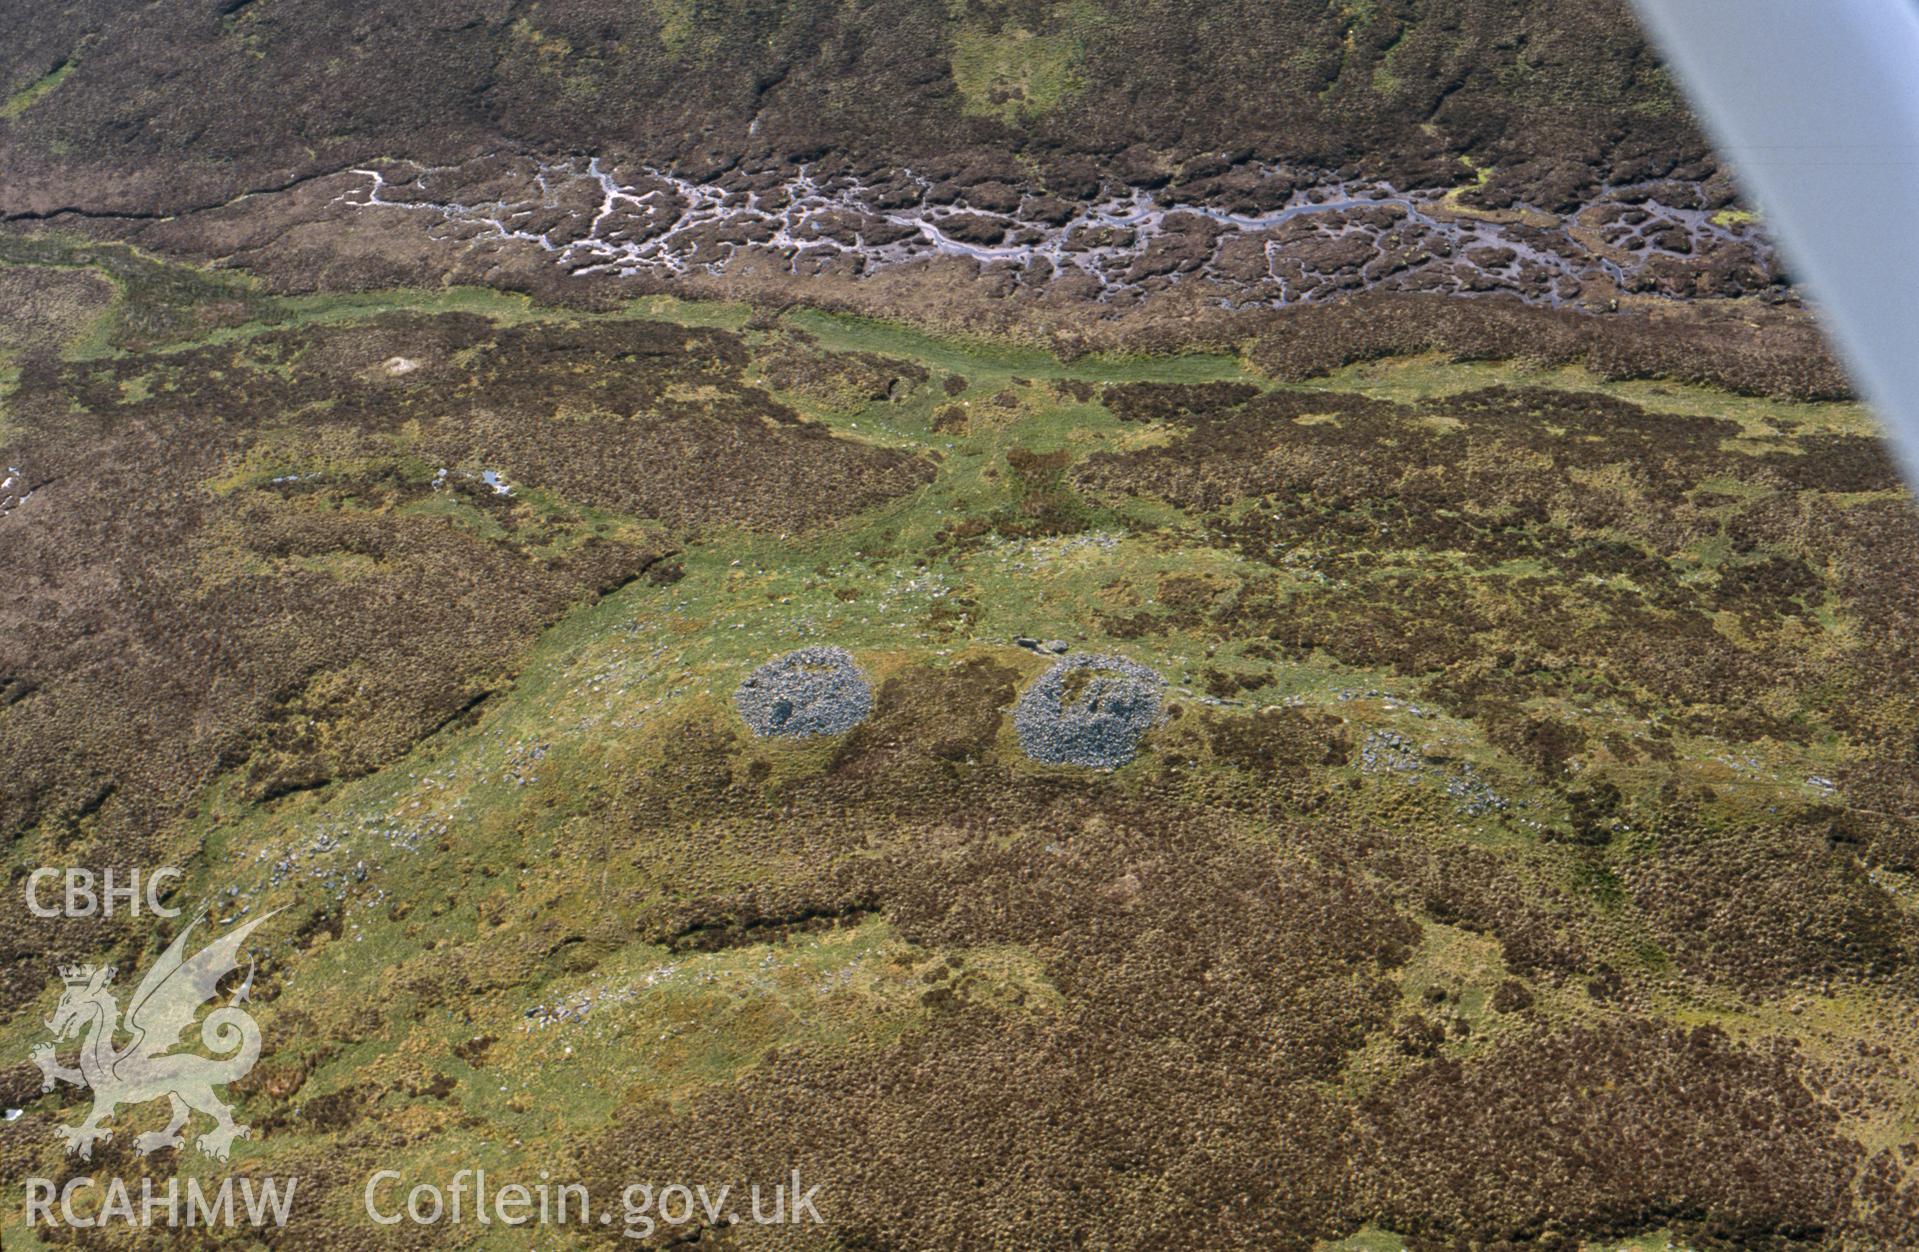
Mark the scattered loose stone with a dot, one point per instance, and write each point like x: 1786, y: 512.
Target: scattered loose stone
x: 13, y: 489
x: 814, y: 691
x: 1088, y: 710
x: 1389, y: 752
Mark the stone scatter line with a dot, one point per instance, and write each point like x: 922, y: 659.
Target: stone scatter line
x: 1320, y: 242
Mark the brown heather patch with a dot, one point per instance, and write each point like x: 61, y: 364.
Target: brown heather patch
x: 1766, y: 905
x: 45, y: 306
x: 1402, y: 90
x: 838, y: 381
x: 1772, y: 355
x: 1276, y: 743
x: 1613, y: 1127
x: 1573, y: 513
x: 1218, y: 966
x: 1210, y: 988
x: 1167, y: 402
x: 1542, y: 928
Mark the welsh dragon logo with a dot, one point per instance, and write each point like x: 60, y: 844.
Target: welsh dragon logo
x: 163, y: 1006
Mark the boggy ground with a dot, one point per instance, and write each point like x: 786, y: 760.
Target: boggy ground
x: 1258, y: 235
x: 1526, y: 858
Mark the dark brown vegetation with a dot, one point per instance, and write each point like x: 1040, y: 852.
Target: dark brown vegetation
x: 839, y: 381
x: 1523, y: 1147
x: 1751, y: 351
x: 1266, y: 989
x: 1369, y: 512
x: 1196, y: 1083
x: 1516, y: 481
x: 1149, y: 92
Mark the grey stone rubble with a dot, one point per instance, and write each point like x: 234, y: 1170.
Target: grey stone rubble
x: 1088, y: 710
x: 1389, y: 752
x: 544, y: 1015
x: 495, y: 480
x: 13, y: 489
x: 814, y: 691
x: 1473, y: 794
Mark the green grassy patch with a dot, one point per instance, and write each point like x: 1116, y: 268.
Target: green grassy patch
x: 1015, y: 74
x: 25, y: 98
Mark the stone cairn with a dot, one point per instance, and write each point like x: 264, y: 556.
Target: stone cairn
x: 814, y: 691
x: 1088, y: 710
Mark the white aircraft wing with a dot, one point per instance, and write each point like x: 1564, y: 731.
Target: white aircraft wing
x: 1816, y: 103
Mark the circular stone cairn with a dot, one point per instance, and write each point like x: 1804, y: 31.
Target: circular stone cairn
x: 1088, y: 710
x: 814, y: 691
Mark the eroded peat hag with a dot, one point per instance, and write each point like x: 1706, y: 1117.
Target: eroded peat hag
x: 1272, y: 238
